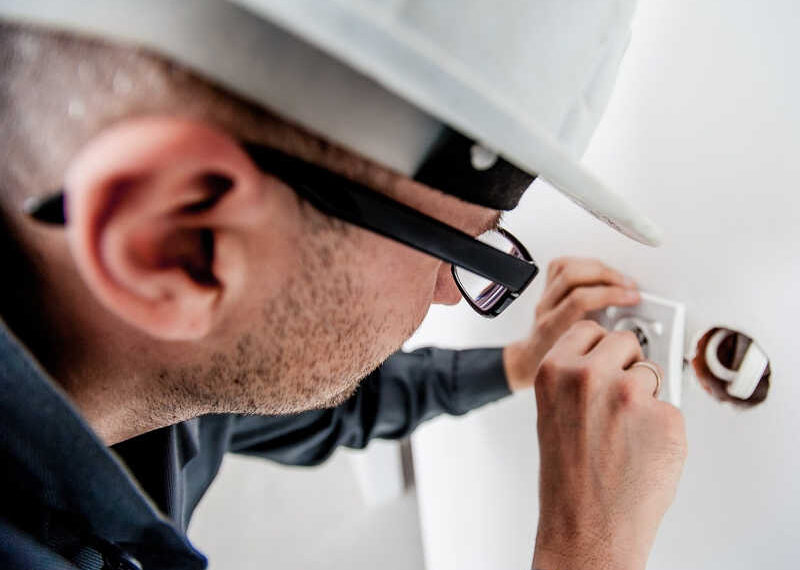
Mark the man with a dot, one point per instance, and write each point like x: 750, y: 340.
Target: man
x: 185, y: 279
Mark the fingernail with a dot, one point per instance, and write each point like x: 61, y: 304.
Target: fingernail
x: 630, y: 283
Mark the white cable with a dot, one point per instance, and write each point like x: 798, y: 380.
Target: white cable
x: 742, y: 382
x: 750, y: 373
x: 712, y: 360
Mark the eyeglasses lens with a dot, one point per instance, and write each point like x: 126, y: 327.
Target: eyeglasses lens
x: 481, y: 291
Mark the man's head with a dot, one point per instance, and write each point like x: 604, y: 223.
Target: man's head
x: 196, y: 281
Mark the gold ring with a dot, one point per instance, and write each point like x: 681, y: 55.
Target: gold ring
x: 652, y: 368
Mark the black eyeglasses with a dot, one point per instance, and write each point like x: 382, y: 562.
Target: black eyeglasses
x: 490, y: 271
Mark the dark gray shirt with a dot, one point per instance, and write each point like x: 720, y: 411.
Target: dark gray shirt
x: 70, y: 502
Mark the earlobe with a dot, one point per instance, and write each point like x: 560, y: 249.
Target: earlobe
x: 158, y: 209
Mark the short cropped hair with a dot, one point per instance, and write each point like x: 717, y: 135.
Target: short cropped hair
x: 57, y: 90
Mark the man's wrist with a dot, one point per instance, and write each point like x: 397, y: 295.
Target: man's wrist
x: 601, y: 556
x: 519, y: 365
x: 550, y: 560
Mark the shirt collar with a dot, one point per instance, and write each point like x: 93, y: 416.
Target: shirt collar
x: 54, y: 458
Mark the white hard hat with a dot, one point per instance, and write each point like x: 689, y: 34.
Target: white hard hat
x: 474, y: 98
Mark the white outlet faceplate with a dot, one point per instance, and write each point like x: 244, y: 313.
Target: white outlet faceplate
x: 660, y: 325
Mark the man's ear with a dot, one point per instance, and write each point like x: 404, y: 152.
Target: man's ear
x: 158, y: 211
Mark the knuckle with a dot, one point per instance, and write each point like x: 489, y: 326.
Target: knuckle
x: 625, y: 395
x: 577, y: 300
x: 609, y: 273
x: 569, y: 274
x: 581, y: 377
x: 546, y: 324
x: 626, y: 338
x: 575, y: 379
x: 586, y: 326
x: 555, y: 266
x: 546, y: 374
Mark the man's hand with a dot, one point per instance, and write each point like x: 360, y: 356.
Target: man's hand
x: 611, y: 454
x: 575, y: 286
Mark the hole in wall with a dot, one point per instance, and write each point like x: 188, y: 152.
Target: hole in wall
x: 732, y: 367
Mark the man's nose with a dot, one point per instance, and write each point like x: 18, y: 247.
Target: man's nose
x: 446, y: 291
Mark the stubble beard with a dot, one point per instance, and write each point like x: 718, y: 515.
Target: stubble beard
x: 318, y: 338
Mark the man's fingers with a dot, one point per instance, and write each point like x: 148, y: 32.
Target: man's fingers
x: 617, y: 351
x: 576, y: 274
x: 581, y: 301
x: 558, y: 265
x: 647, y: 375
x: 555, y: 266
x: 579, y: 339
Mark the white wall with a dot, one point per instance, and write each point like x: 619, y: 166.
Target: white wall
x: 703, y: 132
x: 261, y: 515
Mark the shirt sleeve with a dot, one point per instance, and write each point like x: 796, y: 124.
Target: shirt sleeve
x: 406, y: 390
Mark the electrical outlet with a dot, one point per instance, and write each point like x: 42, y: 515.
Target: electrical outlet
x: 659, y: 324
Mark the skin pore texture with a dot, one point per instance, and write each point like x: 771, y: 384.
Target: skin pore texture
x: 314, y: 304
